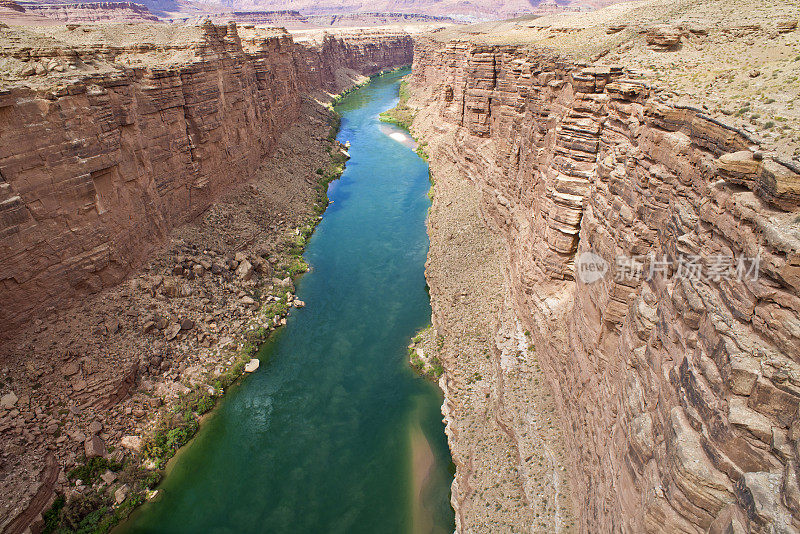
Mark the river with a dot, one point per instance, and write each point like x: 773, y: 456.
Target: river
x: 334, y: 432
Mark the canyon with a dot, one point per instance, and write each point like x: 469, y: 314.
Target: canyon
x: 156, y: 173
x: 117, y: 12
x: 160, y: 177
x: 674, y: 396
x: 143, y: 136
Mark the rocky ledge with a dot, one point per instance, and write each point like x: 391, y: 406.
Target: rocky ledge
x: 676, y: 392
x: 154, y: 201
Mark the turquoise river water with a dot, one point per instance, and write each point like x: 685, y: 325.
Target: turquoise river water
x: 334, y: 433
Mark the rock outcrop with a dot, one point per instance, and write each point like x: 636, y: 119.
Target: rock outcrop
x: 678, y: 391
x: 93, y: 12
x: 100, y: 168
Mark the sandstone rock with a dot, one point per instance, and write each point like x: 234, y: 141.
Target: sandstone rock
x: 8, y: 401
x: 245, y: 270
x: 95, y: 427
x: 108, y: 477
x: 247, y: 301
x: 132, y: 442
x: 94, y: 446
x: 161, y: 322
x: 172, y: 331
x: 742, y: 373
x: 252, y: 365
x: 169, y: 288
x: 787, y: 25
x: 759, y: 494
x: 121, y: 494
x: 779, y: 185
x: 665, y: 408
x: 299, y: 304
x: 71, y: 368
x: 739, y: 167
x: 663, y: 37
x: 739, y: 414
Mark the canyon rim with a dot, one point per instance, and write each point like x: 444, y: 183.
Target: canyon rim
x: 154, y: 176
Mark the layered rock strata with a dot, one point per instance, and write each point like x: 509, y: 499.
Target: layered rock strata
x: 111, y: 156
x: 93, y: 12
x: 98, y: 169
x: 677, y: 392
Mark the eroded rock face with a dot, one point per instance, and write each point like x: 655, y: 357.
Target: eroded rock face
x: 678, y: 396
x: 98, y: 170
x: 117, y: 12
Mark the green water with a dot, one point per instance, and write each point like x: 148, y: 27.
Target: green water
x: 319, y: 439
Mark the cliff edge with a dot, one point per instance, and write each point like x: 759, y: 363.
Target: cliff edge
x: 626, y: 181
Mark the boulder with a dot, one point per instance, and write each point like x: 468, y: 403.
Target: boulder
x: 121, y: 494
x: 108, y: 477
x: 251, y: 366
x: 94, y: 447
x: 187, y: 324
x: 245, y: 270
x: 131, y: 442
x: 663, y: 37
x: 172, y: 331
x: 8, y: 400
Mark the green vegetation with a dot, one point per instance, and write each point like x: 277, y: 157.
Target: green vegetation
x: 95, y: 511
x: 421, y: 151
x: 436, y: 367
x: 52, y: 516
x: 432, y: 369
x: 172, y: 432
x: 91, y: 470
x: 401, y: 114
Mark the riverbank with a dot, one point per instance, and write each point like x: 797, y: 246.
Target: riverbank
x: 501, y: 424
x: 202, y: 306
x: 322, y: 428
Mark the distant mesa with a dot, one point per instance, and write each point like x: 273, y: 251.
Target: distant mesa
x: 90, y: 11
x: 11, y: 5
x: 292, y: 14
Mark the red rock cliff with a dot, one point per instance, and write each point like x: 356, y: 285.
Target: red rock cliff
x: 678, y: 396
x: 96, y: 171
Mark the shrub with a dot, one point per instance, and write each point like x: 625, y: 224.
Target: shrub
x: 92, y: 469
x: 52, y: 517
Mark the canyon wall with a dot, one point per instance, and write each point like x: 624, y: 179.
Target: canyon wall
x: 677, y: 390
x: 98, y: 170
x: 93, y: 12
